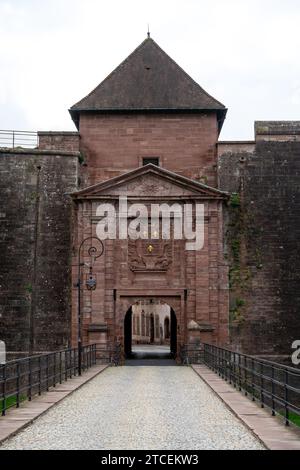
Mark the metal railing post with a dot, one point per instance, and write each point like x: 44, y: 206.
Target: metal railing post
x: 18, y: 385
x: 40, y: 375
x: 261, y: 386
x: 66, y: 367
x: 4, y: 391
x: 239, y: 369
x: 54, y: 370
x: 272, y: 392
x: 60, y: 368
x: 47, y: 372
x: 252, y: 380
x: 246, y: 375
x: 286, y: 397
x: 29, y: 382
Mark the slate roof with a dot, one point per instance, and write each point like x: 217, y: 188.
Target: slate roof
x: 148, y: 81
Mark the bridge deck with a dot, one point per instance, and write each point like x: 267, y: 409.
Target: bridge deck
x: 138, y: 407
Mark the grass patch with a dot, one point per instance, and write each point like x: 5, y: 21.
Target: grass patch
x: 10, y: 402
x: 293, y: 417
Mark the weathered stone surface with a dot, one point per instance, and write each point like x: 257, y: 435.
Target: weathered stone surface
x: 193, y: 283
x: 68, y: 141
x: 35, y: 249
x: 113, y: 145
x: 263, y: 229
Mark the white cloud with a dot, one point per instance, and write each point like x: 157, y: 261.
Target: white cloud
x: 52, y: 53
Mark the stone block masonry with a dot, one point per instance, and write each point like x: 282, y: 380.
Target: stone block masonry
x: 113, y: 145
x: 35, y: 248
x: 263, y: 230
x: 59, y: 141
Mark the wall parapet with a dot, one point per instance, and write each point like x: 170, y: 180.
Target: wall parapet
x: 235, y: 146
x: 21, y: 151
x: 280, y: 131
x: 66, y: 141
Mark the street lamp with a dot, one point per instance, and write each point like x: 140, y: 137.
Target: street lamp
x: 94, y: 252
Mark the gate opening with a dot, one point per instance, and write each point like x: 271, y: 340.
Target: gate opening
x: 150, y: 331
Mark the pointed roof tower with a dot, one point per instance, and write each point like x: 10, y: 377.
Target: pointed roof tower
x: 148, y: 81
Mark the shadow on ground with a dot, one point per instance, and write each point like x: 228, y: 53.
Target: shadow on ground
x: 150, y: 355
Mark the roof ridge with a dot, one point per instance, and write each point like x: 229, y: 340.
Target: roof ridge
x: 114, y: 70
x: 167, y: 87
x: 186, y: 74
x: 127, y: 59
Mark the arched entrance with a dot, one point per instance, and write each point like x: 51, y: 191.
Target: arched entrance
x: 150, y: 330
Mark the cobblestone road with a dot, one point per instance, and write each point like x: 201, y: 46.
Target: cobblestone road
x: 139, y: 408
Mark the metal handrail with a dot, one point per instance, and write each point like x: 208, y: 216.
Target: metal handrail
x: 110, y: 354
x: 18, y: 139
x: 22, y: 379
x: 273, y: 385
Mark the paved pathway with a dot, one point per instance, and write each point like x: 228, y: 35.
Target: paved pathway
x: 149, y: 355
x: 139, y: 408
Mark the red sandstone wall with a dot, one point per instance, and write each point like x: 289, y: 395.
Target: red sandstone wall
x: 202, y: 273
x: 195, y: 284
x: 114, y: 144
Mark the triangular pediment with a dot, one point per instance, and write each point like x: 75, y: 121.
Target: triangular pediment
x: 150, y: 182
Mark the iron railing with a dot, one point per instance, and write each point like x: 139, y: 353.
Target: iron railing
x: 191, y: 354
x: 18, y: 139
x: 110, y: 354
x: 271, y: 384
x: 22, y: 379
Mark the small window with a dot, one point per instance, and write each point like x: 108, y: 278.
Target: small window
x: 152, y: 160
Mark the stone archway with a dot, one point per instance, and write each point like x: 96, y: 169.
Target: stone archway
x: 126, y: 333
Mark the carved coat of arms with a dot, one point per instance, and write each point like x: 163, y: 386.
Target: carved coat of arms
x: 147, y: 255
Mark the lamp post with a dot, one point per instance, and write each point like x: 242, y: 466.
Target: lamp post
x: 91, y: 283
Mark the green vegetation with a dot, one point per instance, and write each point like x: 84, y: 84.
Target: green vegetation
x: 34, y: 196
x: 258, y: 259
x: 29, y: 288
x: 81, y: 158
x: 11, y: 401
x: 293, y: 417
x: 236, y: 312
x: 203, y: 179
x: 235, y: 247
x: 235, y: 200
x: 234, y: 237
x: 239, y: 271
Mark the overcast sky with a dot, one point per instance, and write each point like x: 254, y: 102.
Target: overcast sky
x: 246, y: 53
